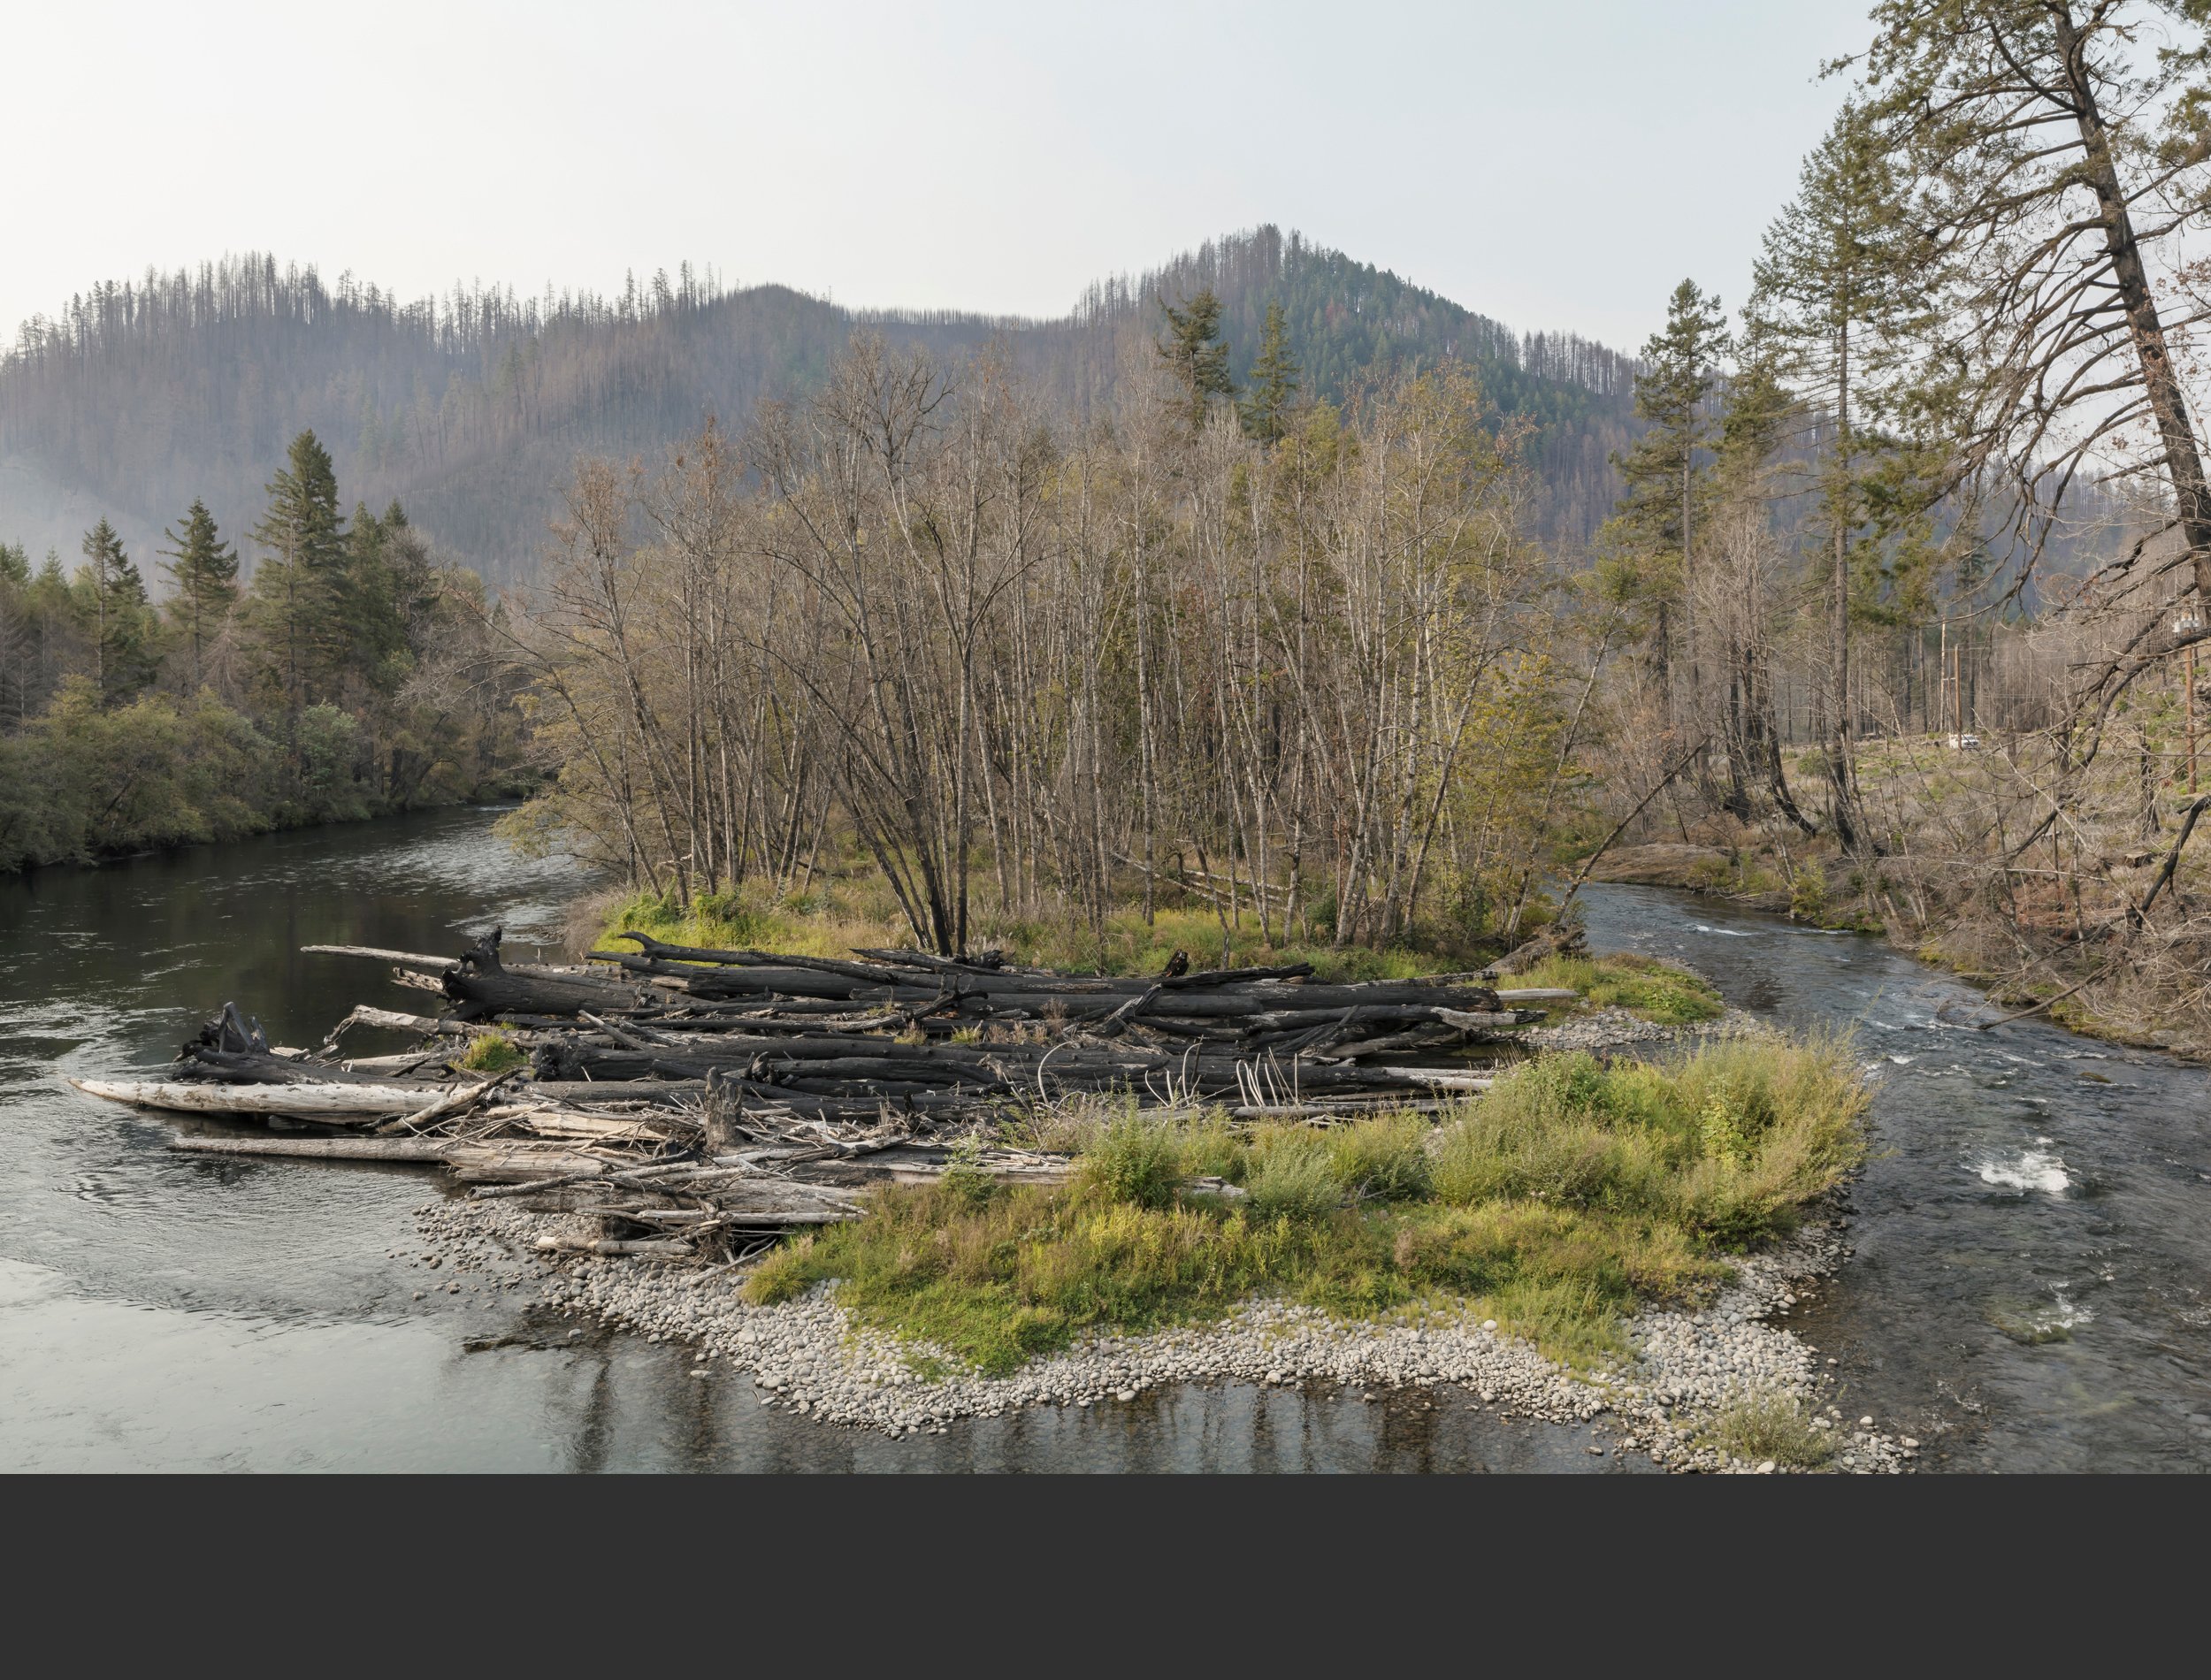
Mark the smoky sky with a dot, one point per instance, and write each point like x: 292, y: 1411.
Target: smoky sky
x: 1559, y: 165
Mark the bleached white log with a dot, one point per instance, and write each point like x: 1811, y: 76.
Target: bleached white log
x: 406, y: 959
x: 333, y: 1101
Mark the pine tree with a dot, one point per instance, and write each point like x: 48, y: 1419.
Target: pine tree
x: 113, y: 605
x: 1838, y: 283
x: 1273, y: 381
x: 204, y: 569
x: 1665, y: 472
x: 1196, y: 352
x: 301, y: 588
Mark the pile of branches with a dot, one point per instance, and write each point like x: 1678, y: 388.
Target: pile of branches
x: 699, y: 1103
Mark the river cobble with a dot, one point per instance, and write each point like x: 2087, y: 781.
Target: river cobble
x: 811, y: 1358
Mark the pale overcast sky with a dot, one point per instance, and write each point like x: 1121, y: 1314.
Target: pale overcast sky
x: 1555, y: 164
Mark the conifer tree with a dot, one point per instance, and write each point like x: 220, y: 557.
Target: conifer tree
x: 204, y: 569
x: 1665, y: 469
x: 1836, y: 286
x: 1194, y: 350
x: 300, y: 588
x: 1273, y: 381
x: 113, y: 605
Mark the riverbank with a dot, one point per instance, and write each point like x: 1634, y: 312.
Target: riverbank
x: 2091, y: 1002
x: 1715, y: 1387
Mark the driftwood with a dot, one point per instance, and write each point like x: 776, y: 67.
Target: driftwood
x: 333, y: 1101
x: 693, y: 1099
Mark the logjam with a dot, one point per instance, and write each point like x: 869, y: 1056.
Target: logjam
x: 695, y: 1102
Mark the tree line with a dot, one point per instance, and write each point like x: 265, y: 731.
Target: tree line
x: 353, y: 672
x: 1224, y: 645
x: 1942, y: 475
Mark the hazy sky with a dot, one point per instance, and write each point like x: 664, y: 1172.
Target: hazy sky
x: 1557, y: 164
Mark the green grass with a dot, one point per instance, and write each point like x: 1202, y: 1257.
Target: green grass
x: 1555, y: 1203
x: 1656, y: 990
x: 492, y: 1053
x: 859, y: 912
x: 1770, y: 1427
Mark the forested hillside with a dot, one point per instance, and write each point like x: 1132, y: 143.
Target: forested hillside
x: 470, y: 409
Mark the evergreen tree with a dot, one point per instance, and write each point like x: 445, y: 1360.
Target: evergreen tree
x: 300, y: 587
x: 204, y: 569
x: 1273, y: 381
x: 1195, y: 350
x: 1665, y: 472
x: 384, y: 560
x: 111, y: 598
x: 1840, y: 283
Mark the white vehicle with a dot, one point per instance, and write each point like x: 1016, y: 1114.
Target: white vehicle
x: 1963, y: 742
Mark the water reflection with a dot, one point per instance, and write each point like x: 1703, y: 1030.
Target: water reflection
x: 2031, y: 1288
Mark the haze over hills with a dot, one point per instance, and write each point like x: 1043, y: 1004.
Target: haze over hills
x: 470, y: 408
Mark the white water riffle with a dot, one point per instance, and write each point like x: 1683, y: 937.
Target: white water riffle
x: 2036, y: 1169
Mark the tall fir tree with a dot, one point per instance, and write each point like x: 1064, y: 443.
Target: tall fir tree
x: 1197, y: 353
x: 204, y: 569
x: 301, y: 588
x: 113, y: 607
x: 1842, y: 280
x: 1273, y: 381
x: 1665, y: 471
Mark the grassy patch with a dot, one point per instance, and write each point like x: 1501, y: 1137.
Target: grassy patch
x: 1656, y: 990
x: 858, y: 912
x: 1770, y: 1427
x: 1554, y: 1204
x: 492, y: 1053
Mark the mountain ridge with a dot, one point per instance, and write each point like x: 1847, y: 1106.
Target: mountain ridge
x: 468, y: 409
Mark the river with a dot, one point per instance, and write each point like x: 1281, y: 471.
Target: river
x: 2027, y: 1291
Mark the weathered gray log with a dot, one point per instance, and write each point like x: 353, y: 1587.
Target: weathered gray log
x: 643, y: 1249
x: 319, y: 1149
x: 450, y: 1104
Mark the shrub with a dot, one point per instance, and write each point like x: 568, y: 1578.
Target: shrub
x: 1770, y: 1427
x: 1384, y: 1159
x: 966, y: 1181
x: 492, y: 1053
x: 1292, y: 1177
x: 1134, y: 1160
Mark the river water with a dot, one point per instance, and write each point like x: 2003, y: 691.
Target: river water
x: 2027, y: 1292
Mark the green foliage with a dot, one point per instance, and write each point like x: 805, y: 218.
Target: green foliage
x: 86, y: 779
x: 1654, y: 989
x: 1554, y: 1204
x: 1723, y: 1144
x: 492, y: 1053
x: 1770, y: 1428
x: 1134, y: 1160
x: 204, y: 569
x: 1274, y: 380
x: 1666, y: 474
x: 118, y: 624
x: 1808, y: 892
x: 97, y: 764
x: 299, y: 589
x: 967, y: 1180
x: 1292, y: 1177
x: 1194, y: 353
